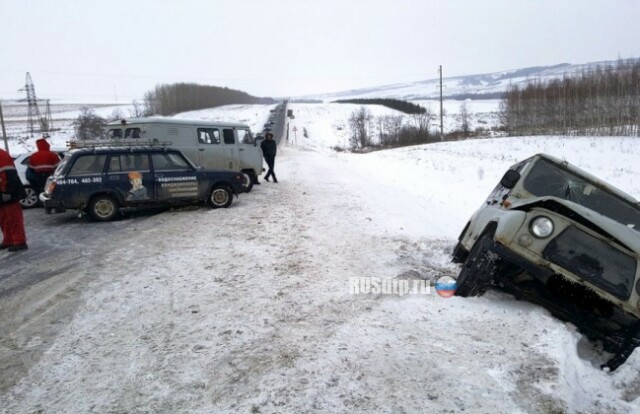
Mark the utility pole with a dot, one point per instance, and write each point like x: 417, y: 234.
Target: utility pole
x: 48, y: 119
x: 441, y: 118
x: 4, y: 131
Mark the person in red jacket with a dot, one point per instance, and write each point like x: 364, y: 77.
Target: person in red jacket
x: 11, y: 218
x: 41, y: 164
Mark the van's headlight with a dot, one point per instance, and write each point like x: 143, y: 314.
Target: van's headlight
x: 541, y: 227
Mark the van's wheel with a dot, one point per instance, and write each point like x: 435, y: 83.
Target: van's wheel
x: 103, y: 207
x: 221, y: 197
x: 250, y: 177
x: 478, y: 269
x: 459, y: 254
x: 629, y: 344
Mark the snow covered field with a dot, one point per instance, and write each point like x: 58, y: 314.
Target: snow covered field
x: 249, y: 309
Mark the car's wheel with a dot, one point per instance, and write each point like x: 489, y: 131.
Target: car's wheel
x: 31, y: 200
x: 221, y: 197
x: 103, y: 207
x: 478, y: 269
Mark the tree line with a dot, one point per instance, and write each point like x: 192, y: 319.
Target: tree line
x: 600, y: 101
x: 182, y: 97
x: 397, y: 104
x: 368, y: 132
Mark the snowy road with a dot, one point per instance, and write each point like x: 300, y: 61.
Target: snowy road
x: 248, y: 309
x: 39, y: 287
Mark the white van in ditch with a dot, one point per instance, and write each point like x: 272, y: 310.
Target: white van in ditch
x: 211, y: 145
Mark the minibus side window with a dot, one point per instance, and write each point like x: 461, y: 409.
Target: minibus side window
x: 229, y: 136
x: 208, y: 136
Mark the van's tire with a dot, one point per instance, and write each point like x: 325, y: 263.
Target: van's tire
x: 221, y: 196
x: 478, y: 269
x: 251, y: 179
x: 31, y: 200
x: 629, y: 344
x: 103, y: 207
x: 459, y: 254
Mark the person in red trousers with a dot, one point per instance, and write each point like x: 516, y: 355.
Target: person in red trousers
x: 11, y: 218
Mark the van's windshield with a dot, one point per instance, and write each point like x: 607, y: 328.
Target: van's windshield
x: 549, y: 179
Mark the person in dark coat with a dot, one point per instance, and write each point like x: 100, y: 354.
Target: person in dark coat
x: 42, y: 163
x: 11, y: 218
x: 268, y: 147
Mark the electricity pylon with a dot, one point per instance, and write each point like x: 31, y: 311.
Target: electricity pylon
x: 34, y: 111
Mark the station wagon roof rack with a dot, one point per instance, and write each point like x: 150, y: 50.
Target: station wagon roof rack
x: 109, y: 143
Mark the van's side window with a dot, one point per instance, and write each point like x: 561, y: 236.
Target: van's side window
x: 208, y: 135
x: 244, y: 136
x: 229, y: 136
x: 115, y: 133
x: 132, y: 133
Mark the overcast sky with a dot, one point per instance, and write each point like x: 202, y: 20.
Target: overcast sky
x: 114, y: 50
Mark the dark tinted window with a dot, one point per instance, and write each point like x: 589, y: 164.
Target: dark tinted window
x: 132, y: 133
x: 89, y: 164
x: 229, y: 136
x: 115, y: 133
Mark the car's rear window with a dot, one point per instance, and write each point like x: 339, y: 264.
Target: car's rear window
x: 128, y: 162
x: 169, y: 162
x: 89, y: 164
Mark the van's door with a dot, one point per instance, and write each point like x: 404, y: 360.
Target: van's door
x: 230, y: 146
x: 249, y: 154
x: 212, y: 153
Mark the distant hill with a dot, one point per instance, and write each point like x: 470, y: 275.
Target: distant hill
x: 483, y: 86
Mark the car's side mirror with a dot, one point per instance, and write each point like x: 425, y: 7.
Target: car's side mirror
x: 510, y: 179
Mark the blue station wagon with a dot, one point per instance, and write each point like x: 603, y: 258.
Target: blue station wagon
x: 102, y: 180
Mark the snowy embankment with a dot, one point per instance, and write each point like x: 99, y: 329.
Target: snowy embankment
x: 249, y: 309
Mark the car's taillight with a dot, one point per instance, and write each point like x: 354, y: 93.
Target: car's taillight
x: 51, y: 185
